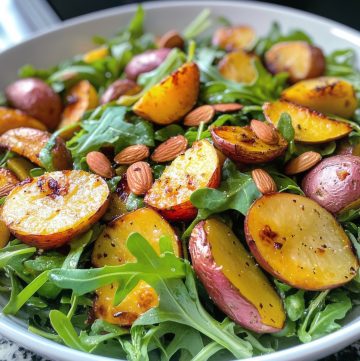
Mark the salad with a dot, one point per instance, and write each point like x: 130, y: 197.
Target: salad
x: 188, y: 196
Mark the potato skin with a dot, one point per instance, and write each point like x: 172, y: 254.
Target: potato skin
x: 241, y: 145
x: 169, y: 100
x: 29, y: 142
x: 300, y: 244
x: 325, y: 94
x: 36, y: 98
x: 224, y: 294
x: 334, y: 183
x: 300, y: 59
x: 49, y: 211
x: 145, y: 62
x: 13, y: 118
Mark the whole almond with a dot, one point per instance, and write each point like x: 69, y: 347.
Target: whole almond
x: 204, y: 113
x: 227, y: 107
x: 139, y: 178
x: 265, y: 132
x: 171, y: 39
x: 302, y: 163
x: 263, y: 180
x: 99, y: 164
x: 170, y: 149
x: 132, y: 154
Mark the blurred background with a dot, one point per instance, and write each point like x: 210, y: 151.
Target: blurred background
x: 20, y: 18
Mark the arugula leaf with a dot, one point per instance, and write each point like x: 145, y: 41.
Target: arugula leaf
x: 321, y: 320
x: 152, y: 267
x: 285, y: 184
x: 295, y: 305
x: 236, y: 191
x: 110, y: 129
x: 63, y: 327
x: 287, y: 131
x: 8, y: 253
x: 179, y: 302
x: 198, y: 25
x: 134, y: 202
x: 167, y: 132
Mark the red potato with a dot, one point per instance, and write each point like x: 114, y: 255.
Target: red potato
x: 300, y: 59
x: 242, y: 145
x: 335, y: 183
x: 198, y: 167
x: 232, y: 278
x: 145, y: 62
x: 37, y: 99
x: 299, y: 242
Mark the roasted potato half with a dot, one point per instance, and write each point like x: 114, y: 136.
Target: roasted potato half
x: 50, y: 210
x: 170, y: 100
x: 325, y: 94
x: 234, y: 38
x: 13, y: 118
x: 4, y: 234
x: 110, y: 249
x: 238, y: 66
x: 242, y: 145
x: 232, y: 278
x: 310, y: 126
x: 8, y: 181
x: 335, y: 183
x: 37, y: 99
x: 170, y: 194
x: 81, y: 97
x: 29, y: 142
x: 299, y: 242
x: 298, y: 58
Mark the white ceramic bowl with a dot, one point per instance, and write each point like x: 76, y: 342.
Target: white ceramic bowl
x: 74, y: 37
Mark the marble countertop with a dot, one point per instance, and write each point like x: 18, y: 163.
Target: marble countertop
x: 9, y: 351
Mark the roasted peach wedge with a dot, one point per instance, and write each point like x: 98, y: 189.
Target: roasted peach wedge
x: 310, y: 126
x: 170, y: 100
x: 8, y: 181
x: 48, y: 211
x: 300, y: 243
x: 238, y: 66
x: 13, y: 118
x: 325, y: 94
x: 110, y: 249
x: 29, y: 142
x: 300, y: 59
x: 81, y: 97
x: 242, y: 145
x: 232, y: 278
x: 231, y: 38
x: 198, y: 167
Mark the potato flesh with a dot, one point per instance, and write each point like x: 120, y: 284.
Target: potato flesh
x: 242, y: 145
x: 310, y: 126
x: 50, y: 210
x: 239, y: 67
x: 188, y: 172
x: 11, y: 119
x: 29, y: 142
x: 7, y: 177
x: 242, y: 271
x: 325, y: 94
x: 299, y: 242
x: 110, y: 249
x: 170, y: 100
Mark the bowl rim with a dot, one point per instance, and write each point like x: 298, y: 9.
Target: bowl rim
x: 342, y: 337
